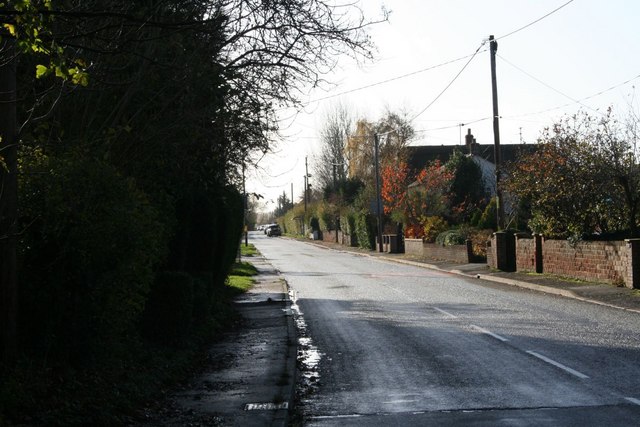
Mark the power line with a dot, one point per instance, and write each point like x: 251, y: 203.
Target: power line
x: 578, y: 101
x: 450, y: 83
x: 392, y: 79
x: 453, y: 126
x: 547, y: 85
x: 534, y: 22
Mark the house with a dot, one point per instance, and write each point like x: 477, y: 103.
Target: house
x: 483, y: 155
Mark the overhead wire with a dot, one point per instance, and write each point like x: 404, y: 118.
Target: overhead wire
x: 575, y: 101
x: 534, y: 22
x: 389, y: 80
x: 450, y: 83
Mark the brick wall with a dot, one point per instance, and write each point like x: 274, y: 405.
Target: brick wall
x: 491, y: 253
x: 413, y: 247
x: 525, y: 254
x: 600, y: 261
x: 455, y: 253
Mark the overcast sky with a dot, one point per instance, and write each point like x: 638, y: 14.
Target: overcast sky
x: 586, y: 55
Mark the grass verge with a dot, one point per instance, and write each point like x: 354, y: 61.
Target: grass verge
x: 248, y: 250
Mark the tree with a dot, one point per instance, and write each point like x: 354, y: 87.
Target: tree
x: 331, y: 165
x: 468, y: 194
x: 414, y: 200
x: 283, y: 205
x: 582, y: 179
x: 174, y: 94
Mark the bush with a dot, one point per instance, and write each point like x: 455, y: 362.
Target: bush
x: 451, y: 237
x: 433, y: 226
x: 169, y: 311
x: 365, y: 230
x: 488, y: 220
x: 87, y: 257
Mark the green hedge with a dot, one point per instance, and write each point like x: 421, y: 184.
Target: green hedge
x: 365, y: 226
x: 91, y: 243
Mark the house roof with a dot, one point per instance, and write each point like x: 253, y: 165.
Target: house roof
x: 419, y: 156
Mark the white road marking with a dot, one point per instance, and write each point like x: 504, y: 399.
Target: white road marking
x: 446, y: 313
x: 633, y: 400
x: 558, y: 365
x: 491, y: 334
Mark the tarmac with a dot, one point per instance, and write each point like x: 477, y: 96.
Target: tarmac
x: 254, y: 383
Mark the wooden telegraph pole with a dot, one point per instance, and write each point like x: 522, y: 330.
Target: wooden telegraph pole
x: 493, y: 48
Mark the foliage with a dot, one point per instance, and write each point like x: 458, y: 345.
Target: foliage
x: 395, y: 180
x: 583, y: 178
x: 479, y: 239
x: 365, y: 227
x: 137, y: 118
x: 451, y: 237
x: 433, y: 226
x: 88, y: 255
x: 467, y: 187
x: 169, y: 310
x: 293, y: 220
x: 283, y: 205
x: 488, y: 219
x: 331, y: 164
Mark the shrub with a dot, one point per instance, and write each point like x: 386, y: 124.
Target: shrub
x: 170, y: 308
x: 87, y: 258
x: 451, y: 237
x: 488, y: 220
x: 433, y: 226
x: 365, y: 230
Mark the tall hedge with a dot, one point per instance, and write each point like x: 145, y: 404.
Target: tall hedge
x: 365, y: 226
x: 91, y: 243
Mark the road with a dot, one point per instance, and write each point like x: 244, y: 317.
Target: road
x: 391, y: 344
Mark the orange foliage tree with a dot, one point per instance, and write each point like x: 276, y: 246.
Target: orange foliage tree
x: 413, y: 199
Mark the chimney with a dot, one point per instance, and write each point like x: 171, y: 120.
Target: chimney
x: 469, y: 141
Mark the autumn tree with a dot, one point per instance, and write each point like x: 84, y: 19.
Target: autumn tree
x: 583, y: 178
x: 416, y: 199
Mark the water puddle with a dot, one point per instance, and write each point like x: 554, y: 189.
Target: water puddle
x: 309, y: 357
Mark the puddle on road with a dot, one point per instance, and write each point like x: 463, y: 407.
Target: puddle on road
x: 308, y: 358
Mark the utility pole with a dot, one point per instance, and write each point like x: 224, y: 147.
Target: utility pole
x: 378, y: 198
x: 493, y: 48
x: 244, y: 207
x: 292, y: 202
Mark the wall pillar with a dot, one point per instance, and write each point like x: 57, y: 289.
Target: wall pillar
x: 537, y: 253
x: 505, y: 251
x: 633, y: 267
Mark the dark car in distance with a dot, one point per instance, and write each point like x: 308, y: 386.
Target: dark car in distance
x: 273, y: 230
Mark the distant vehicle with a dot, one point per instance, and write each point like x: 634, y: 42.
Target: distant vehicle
x: 273, y: 230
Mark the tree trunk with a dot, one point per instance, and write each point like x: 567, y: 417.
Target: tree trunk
x: 8, y: 206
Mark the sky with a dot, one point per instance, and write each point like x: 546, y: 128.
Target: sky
x: 584, y: 56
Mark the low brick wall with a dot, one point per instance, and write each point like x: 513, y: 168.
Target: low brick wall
x: 599, y: 261
x: 455, y: 253
x: 413, y: 247
x: 615, y: 262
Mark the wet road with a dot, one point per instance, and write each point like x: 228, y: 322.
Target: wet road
x: 401, y: 345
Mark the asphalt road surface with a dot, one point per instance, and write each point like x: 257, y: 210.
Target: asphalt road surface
x: 390, y: 344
